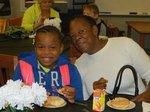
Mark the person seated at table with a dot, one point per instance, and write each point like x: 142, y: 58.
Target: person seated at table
x: 102, y: 59
x: 93, y: 11
x: 35, y: 15
x: 48, y: 67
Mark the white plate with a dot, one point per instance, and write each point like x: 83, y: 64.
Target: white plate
x: 57, y: 106
x: 132, y: 105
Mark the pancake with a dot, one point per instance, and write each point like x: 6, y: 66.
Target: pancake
x: 54, y: 101
x: 60, y: 91
x: 120, y: 102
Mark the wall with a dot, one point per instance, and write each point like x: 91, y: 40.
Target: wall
x: 124, y: 7
x: 15, y: 8
x: 120, y: 14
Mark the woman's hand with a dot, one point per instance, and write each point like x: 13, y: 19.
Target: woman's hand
x: 100, y: 84
x: 69, y: 93
x: 145, y: 96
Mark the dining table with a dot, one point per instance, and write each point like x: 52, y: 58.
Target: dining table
x: 141, y: 27
x: 86, y: 106
x: 16, y: 46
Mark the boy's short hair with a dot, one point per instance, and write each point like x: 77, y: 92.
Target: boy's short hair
x: 92, y: 7
x: 49, y: 29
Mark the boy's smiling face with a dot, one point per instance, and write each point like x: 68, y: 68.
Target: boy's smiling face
x: 48, y: 48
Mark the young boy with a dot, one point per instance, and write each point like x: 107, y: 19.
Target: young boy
x: 48, y: 67
x: 93, y: 11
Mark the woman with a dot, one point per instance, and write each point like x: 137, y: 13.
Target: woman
x: 105, y: 57
x: 35, y: 15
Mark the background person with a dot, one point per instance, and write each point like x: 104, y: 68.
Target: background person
x: 35, y: 15
x: 46, y: 66
x: 105, y: 57
x: 93, y: 11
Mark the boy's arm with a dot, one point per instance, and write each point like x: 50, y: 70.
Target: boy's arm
x: 75, y: 81
x: 17, y: 74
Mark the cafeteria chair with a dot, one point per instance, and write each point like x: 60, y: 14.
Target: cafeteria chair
x: 111, y: 30
x: 8, y: 64
x: 3, y: 25
x: 16, y: 21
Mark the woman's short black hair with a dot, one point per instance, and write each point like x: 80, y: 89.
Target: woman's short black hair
x: 88, y: 19
x: 49, y: 29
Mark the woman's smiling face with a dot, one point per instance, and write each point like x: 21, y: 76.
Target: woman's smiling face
x: 48, y: 48
x: 82, y: 34
x: 46, y: 4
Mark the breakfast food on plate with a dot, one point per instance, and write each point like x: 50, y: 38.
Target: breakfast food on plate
x: 120, y: 102
x: 54, y: 101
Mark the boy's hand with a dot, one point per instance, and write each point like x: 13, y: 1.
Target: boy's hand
x: 68, y: 92
x: 100, y: 84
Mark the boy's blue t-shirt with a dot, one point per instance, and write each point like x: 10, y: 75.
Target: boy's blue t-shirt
x: 52, y: 80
